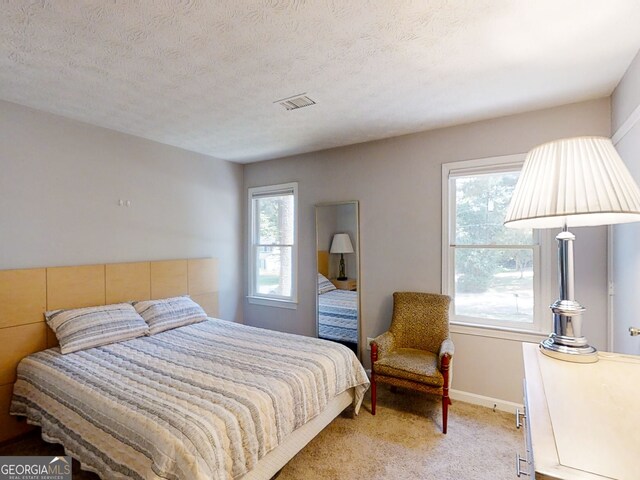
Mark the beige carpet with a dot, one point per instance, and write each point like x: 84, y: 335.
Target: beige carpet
x: 402, y: 442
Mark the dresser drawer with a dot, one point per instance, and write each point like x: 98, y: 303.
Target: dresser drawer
x: 524, y: 463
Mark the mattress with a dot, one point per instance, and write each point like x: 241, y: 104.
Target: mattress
x: 338, y: 315
x: 206, y: 401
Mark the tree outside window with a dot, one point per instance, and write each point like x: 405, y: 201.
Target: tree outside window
x: 275, y: 243
x: 273, y: 249
x: 491, y: 269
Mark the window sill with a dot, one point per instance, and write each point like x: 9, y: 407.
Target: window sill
x: 271, y: 302
x: 497, y: 332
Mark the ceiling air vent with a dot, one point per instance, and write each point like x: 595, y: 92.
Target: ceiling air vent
x: 297, y: 101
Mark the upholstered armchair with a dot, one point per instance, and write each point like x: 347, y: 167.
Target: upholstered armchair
x: 416, y: 352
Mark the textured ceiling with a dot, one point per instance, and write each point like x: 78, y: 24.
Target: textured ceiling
x: 203, y: 75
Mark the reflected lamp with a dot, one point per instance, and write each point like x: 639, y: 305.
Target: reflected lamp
x: 572, y: 182
x: 341, y: 244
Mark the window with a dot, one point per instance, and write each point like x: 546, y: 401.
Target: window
x: 491, y: 272
x: 273, y: 245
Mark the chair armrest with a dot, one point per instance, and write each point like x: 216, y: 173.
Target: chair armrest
x: 385, y: 343
x: 446, y: 348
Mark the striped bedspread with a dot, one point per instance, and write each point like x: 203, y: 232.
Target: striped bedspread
x: 205, y: 401
x: 338, y: 315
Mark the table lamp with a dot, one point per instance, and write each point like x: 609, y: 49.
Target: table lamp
x: 341, y: 244
x: 572, y: 182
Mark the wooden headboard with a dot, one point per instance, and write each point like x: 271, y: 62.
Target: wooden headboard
x: 323, y: 262
x: 26, y: 294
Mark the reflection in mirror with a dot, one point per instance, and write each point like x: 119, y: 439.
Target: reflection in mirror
x: 338, y: 305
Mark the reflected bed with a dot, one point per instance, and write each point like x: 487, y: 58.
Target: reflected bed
x: 338, y: 315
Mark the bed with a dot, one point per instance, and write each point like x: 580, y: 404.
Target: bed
x: 145, y: 405
x: 213, y: 400
x: 338, y: 315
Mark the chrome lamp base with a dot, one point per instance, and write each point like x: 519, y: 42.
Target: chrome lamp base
x: 567, y: 342
x: 559, y: 347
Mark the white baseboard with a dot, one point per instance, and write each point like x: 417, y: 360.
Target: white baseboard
x: 489, y: 402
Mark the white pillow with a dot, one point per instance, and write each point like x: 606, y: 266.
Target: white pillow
x: 169, y: 313
x: 88, y: 327
x: 324, y: 284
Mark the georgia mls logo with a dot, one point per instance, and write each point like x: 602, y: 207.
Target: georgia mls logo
x: 35, y: 468
x: 62, y: 463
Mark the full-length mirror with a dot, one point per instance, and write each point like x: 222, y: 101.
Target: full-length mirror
x: 338, y: 254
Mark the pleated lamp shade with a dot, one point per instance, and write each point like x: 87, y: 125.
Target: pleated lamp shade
x: 575, y: 182
x: 341, y: 244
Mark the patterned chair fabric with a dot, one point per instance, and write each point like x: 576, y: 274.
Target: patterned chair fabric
x: 411, y: 364
x: 420, y: 320
x: 411, y: 353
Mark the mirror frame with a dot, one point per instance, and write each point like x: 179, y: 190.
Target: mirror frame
x: 357, y: 248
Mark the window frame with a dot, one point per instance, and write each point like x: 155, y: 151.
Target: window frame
x: 541, y: 325
x: 254, y: 296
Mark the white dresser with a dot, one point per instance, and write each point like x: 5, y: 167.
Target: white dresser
x: 582, y: 421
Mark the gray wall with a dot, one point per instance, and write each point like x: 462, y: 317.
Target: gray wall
x: 326, y: 221
x: 626, y: 238
x: 398, y: 184
x: 60, y: 182
x: 626, y: 97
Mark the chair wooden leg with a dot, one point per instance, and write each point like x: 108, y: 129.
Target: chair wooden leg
x: 446, y: 401
x: 445, y: 411
x: 374, y: 359
x: 373, y: 395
